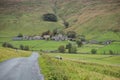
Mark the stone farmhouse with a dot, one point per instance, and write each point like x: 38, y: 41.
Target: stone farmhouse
x: 46, y: 37
x: 28, y: 38
x: 58, y: 37
x: 107, y: 42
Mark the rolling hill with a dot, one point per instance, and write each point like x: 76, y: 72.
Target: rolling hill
x: 96, y: 19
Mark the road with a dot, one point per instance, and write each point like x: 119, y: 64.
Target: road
x: 25, y: 68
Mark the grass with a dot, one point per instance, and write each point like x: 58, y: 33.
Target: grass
x: 66, y: 69
x: 6, y: 53
x: 100, y: 59
x: 99, y: 28
x: 12, y: 26
x: 101, y: 49
x: 87, y: 48
x: 115, y: 47
x: 53, y: 45
x: 40, y: 44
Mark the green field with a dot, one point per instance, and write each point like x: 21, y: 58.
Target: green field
x: 53, y: 45
x: 115, y: 47
x: 102, y: 59
x: 71, y: 67
x: 101, y: 49
x: 40, y: 44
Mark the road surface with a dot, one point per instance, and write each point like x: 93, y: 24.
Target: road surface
x: 21, y: 69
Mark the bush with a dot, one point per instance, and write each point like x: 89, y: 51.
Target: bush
x: 24, y: 47
x: 66, y: 24
x: 93, y: 51
x: 61, y: 49
x: 111, y: 52
x: 8, y: 45
x: 50, y: 17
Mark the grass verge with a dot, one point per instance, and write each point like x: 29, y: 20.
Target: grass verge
x: 54, y: 69
x: 7, y: 53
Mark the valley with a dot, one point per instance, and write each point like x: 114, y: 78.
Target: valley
x: 68, y: 39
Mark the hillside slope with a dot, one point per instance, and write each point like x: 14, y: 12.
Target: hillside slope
x: 96, y: 19
x: 25, y: 16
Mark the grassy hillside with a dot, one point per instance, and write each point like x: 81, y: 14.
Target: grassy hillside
x: 25, y: 17
x: 6, y: 53
x: 96, y: 19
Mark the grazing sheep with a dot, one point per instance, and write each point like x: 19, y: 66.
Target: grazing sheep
x: 58, y: 57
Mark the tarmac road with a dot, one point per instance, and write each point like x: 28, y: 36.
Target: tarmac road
x: 25, y: 68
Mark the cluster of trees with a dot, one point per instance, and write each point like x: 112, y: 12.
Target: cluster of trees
x: 52, y: 33
x: 46, y: 33
x: 53, y: 18
x: 72, y: 48
x: 9, y: 45
x: 94, y: 51
x: 22, y: 47
x: 69, y: 34
x: 50, y: 17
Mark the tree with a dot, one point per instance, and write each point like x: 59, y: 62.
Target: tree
x: 46, y: 33
x: 111, y: 52
x: 66, y: 24
x: 24, y: 47
x: 21, y: 47
x: 55, y: 32
x: 93, y: 51
x: 71, y: 34
x: 79, y: 43
x: 61, y: 49
x: 8, y: 45
x: 20, y: 35
x: 68, y: 46
x: 71, y: 48
x: 50, y: 17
